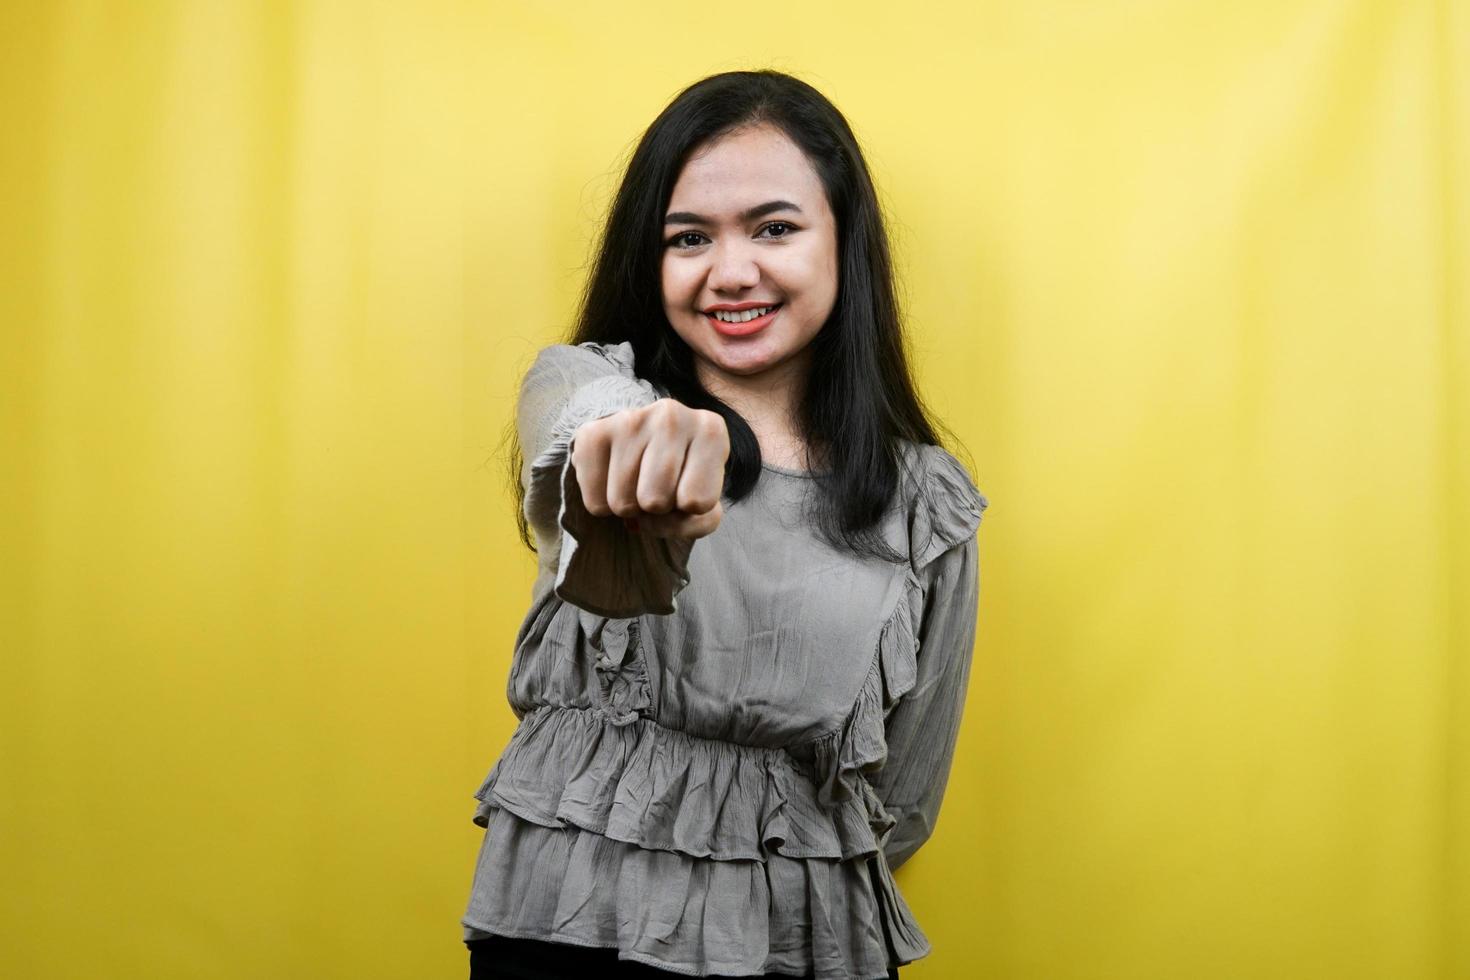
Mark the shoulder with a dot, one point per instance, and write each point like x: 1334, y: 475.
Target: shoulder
x: 583, y: 378
x: 941, y: 502
x: 583, y: 360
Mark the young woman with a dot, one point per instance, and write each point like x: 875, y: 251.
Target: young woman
x: 742, y: 674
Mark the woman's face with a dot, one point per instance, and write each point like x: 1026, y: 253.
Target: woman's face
x: 748, y: 225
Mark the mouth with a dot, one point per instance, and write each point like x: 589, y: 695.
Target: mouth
x: 741, y: 324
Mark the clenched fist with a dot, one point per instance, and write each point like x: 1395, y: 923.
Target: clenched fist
x: 660, y: 465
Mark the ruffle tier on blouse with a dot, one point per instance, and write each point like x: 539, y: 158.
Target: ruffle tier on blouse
x: 803, y: 916
x: 702, y: 856
x: 693, y: 854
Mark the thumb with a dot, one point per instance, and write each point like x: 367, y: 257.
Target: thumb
x: 677, y: 524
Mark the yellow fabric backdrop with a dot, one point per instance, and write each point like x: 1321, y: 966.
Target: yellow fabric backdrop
x: 1189, y: 279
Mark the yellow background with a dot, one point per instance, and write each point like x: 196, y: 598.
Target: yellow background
x: 1189, y: 280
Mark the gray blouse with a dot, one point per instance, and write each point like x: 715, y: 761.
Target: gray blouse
x: 726, y: 745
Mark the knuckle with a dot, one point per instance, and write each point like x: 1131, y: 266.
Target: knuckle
x: 664, y: 415
x: 587, y: 434
x: 656, y: 501
x: 623, y: 507
x: 696, y: 503
x: 715, y: 434
x: 621, y: 423
x: 593, y: 503
x: 711, y: 423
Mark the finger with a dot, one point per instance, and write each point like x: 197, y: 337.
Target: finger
x: 589, y: 450
x: 624, y: 460
x: 663, y: 457
x: 680, y: 525
x: 703, y: 478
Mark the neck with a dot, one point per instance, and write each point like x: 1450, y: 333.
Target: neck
x: 768, y: 402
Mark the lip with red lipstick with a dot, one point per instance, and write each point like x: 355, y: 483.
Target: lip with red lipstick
x: 741, y: 329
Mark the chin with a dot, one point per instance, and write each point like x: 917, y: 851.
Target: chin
x: 751, y: 360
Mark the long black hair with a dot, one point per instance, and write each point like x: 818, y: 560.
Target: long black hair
x: 859, y: 398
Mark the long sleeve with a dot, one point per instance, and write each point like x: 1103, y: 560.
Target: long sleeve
x: 923, y: 726
x: 598, y: 564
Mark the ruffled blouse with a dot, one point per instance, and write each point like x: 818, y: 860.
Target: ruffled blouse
x: 726, y: 745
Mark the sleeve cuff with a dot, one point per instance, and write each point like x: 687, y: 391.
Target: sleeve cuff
x: 602, y: 566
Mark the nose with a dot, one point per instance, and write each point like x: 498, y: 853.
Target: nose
x: 733, y: 268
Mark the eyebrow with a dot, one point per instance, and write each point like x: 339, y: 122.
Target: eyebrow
x: 759, y: 211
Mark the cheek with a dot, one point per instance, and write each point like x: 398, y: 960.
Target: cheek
x: 816, y: 276
x: 676, y: 284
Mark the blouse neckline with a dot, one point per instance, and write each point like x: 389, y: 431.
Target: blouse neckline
x: 784, y: 471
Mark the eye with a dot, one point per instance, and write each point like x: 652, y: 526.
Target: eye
x: 677, y: 240
x: 682, y: 243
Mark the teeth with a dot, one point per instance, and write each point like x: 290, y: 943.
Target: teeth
x: 743, y: 315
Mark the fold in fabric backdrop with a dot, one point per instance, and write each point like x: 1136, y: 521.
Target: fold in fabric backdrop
x: 1187, y: 280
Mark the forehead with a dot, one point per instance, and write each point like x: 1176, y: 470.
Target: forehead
x: 744, y: 168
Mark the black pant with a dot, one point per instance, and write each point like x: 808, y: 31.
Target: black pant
x: 506, y: 958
